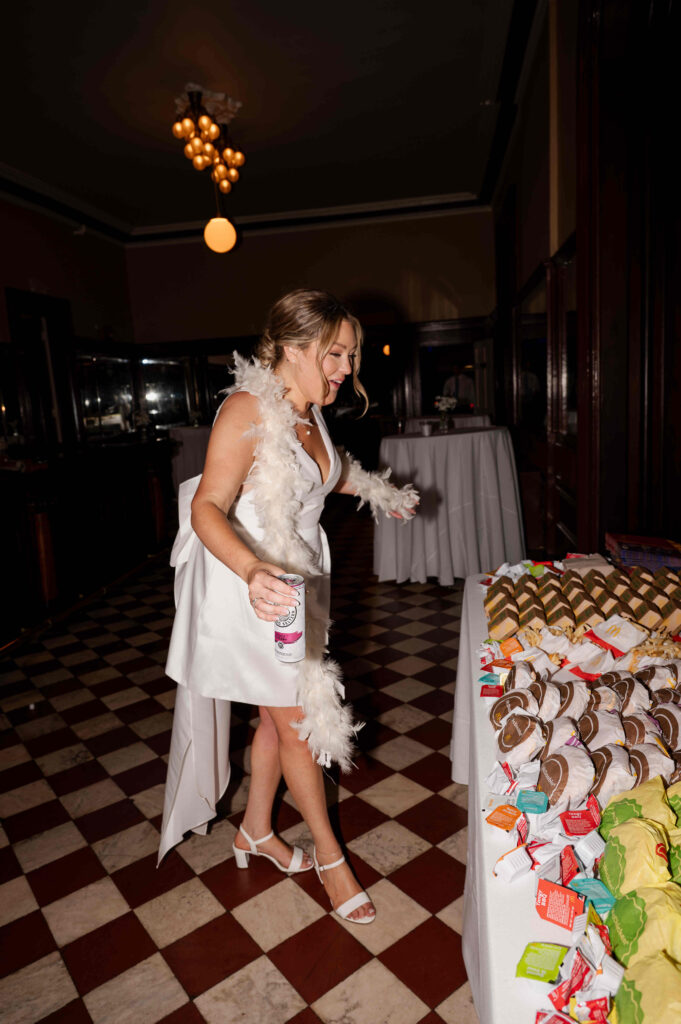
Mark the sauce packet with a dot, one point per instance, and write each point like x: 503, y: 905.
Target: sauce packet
x: 541, y: 961
x: 558, y: 904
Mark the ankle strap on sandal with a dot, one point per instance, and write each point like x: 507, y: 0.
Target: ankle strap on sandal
x: 336, y: 864
x: 254, y: 842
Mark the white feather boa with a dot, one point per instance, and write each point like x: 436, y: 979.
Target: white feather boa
x: 279, y: 490
x: 375, y: 489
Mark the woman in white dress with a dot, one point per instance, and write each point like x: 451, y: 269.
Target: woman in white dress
x: 254, y: 517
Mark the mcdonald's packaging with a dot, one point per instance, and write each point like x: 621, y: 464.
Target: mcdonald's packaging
x: 648, y: 800
x: 646, y: 921
x: 583, y: 821
x: 574, y: 698
x: 618, y: 634
x: 674, y: 799
x: 614, y: 773
x: 557, y: 904
x: 669, y: 721
x: 566, y: 777
x: 597, y: 894
x: 604, y: 698
x: 651, y: 759
x: 635, y: 856
x: 641, y: 728
x: 541, y: 961
x: 661, y: 677
x: 634, y: 696
x: 598, y: 728
x: 559, y: 732
x: 650, y: 992
x: 548, y: 698
x: 520, y: 739
x: 515, y: 700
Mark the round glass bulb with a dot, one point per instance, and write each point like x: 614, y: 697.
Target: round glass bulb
x: 178, y: 130
x: 205, y: 122
x: 225, y: 185
x: 187, y: 125
x: 219, y: 234
x: 239, y: 159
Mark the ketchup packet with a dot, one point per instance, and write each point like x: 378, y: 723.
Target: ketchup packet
x: 580, y: 823
x: 568, y: 865
x: 497, y: 690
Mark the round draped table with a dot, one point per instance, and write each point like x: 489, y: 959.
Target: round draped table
x: 469, y: 519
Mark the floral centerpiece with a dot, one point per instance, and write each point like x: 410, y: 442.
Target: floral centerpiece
x: 445, y: 405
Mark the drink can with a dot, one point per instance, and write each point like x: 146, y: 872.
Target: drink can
x: 289, y: 628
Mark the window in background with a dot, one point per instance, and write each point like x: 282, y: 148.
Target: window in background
x: 105, y: 391
x: 164, y: 395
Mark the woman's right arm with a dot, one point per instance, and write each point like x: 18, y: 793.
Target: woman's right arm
x: 228, y: 461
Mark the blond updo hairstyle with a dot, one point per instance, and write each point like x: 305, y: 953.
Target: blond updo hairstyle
x: 302, y: 317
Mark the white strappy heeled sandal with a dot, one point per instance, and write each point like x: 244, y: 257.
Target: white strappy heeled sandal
x: 345, y: 909
x: 241, y: 856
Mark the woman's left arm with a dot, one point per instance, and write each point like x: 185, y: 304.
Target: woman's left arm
x: 375, y: 489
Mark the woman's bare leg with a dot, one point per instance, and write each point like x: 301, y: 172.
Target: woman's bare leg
x: 304, y: 780
x: 265, y: 778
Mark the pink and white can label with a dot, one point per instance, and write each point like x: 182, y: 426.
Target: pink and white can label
x: 289, y: 629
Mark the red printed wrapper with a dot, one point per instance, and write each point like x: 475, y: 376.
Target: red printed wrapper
x: 523, y: 830
x: 580, y: 976
x: 568, y: 865
x: 557, y: 904
x: 552, y: 1017
x: 580, y: 823
x: 491, y: 691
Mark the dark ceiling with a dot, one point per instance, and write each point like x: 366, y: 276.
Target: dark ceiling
x: 392, y: 102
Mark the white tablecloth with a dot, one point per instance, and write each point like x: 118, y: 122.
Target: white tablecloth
x: 463, y: 420
x: 499, y: 918
x: 469, y: 519
x: 189, y: 459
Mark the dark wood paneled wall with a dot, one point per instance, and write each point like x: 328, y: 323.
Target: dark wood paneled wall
x: 628, y: 235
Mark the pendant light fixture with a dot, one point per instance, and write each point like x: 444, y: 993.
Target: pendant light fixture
x: 202, y: 123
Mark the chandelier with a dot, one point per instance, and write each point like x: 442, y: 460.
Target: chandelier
x: 202, y: 122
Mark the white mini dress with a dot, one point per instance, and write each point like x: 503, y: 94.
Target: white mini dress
x: 221, y: 651
x: 219, y: 648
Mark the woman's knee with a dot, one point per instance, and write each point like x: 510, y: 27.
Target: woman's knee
x: 267, y: 731
x: 284, y: 720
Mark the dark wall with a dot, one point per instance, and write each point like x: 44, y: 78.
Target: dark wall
x: 42, y: 254
x: 628, y: 253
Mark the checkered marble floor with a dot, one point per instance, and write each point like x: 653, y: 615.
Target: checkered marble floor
x: 90, y: 930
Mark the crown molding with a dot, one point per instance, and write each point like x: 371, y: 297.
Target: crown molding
x: 32, y: 193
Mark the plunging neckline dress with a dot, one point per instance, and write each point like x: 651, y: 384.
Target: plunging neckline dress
x: 219, y: 647
x: 220, y: 651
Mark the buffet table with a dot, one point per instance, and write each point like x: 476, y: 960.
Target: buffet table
x: 469, y: 519
x: 189, y: 458
x: 499, y: 917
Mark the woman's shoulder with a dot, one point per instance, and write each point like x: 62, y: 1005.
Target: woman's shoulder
x: 239, y: 408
